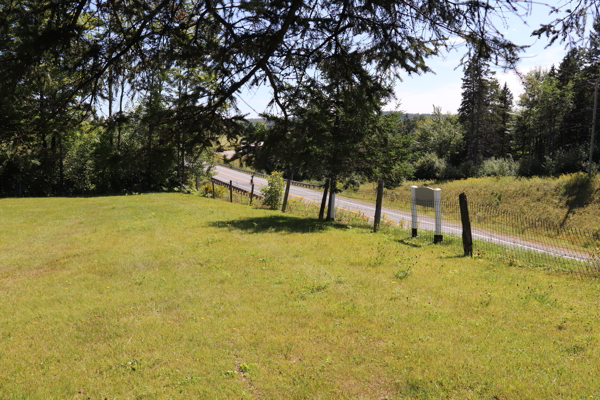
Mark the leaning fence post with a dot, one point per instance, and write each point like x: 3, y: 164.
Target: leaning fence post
x: 414, y: 211
x: 466, y: 224
x: 251, y: 188
x: 437, y: 202
x: 213, y: 188
x: 231, y: 191
x: 378, y: 206
x: 324, y: 201
x: 285, y: 196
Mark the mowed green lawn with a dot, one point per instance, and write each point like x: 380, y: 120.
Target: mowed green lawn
x: 171, y: 296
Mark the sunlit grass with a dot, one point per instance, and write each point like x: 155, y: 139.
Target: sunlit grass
x: 511, y: 205
x: 572, y: 199
x: 175, y: 296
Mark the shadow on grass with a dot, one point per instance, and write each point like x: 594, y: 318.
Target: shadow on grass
x: 407, y: 243
x: 421, y: 242
x: 579, y: 192
x: 278, y: 223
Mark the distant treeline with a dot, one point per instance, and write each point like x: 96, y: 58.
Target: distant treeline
x: 111, y: 97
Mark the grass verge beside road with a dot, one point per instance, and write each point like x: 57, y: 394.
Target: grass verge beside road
x: 175, y: 296
x: 572, y: 200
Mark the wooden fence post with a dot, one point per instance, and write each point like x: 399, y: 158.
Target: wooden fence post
x: 378, y: 206
x: 324, y: 201
x: 251, y: 189
x: 466, y: 225
x: 213, y: 188
x: 285, y: 196
x: 231, y: 191
x: 331, y: 208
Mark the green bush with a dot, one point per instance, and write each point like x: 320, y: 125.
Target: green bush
x: 499, y: 167
x: 206, y: 190
x: 452, y: 172
x: 273, y: 193
x: 568, y: 161
x: 430, y: 166
x: 530, y: 166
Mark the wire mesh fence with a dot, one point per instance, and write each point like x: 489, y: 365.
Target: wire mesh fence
x: 515, y: 238
x: 537, y: 242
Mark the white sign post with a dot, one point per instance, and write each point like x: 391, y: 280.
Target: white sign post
x: 428, y: 197
x: 414, y: 211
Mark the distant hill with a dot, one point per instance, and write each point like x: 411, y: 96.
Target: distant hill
x: 255, y: 120
x: 408, y: 115
x: 405, y: 115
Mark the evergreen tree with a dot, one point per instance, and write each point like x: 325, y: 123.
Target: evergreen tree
x: 577, y: 72
x: 504, y: 110
x: 544, y: 105
x: 478, y: 109
x: 61, y: 59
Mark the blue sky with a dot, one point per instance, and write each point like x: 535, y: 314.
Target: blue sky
x: 418, y: 94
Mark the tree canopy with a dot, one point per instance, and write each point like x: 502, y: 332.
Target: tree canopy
x: 173, y: 69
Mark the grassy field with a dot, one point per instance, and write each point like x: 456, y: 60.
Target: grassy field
x: 570, y: 200
x: 175, y: 296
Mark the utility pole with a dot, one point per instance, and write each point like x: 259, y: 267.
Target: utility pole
x: 593, y: 129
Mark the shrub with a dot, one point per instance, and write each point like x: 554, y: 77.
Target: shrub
x: 352, y: 182
x: 206, y: 190
x: 273, y: 193
x: 530, y: 166
x: 452, y: 172
x: 566, y: 161
x: 499, y: 167
x: 468, y: 169
x: 430, y: 166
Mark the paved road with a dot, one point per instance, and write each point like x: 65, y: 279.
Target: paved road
x: 242, y: 180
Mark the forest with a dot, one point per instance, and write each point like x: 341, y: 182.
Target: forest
x: 101, y: 97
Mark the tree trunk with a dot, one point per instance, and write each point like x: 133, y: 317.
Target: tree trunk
x: 110, y: 103
x: 120, y: 113
x: 149, y: 171
x: 61, y: 164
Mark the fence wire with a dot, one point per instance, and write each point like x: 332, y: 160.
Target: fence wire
x: 515, y: 238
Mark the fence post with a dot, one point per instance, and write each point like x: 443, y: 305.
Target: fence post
x: 414, y: 211
x: 324, y: 201
x: 213, y: 188
x: 378, y: 204
x: 285, y: 196
x: 251, y: 188
x: 437, y: 202
x: 466, y: 224
x: 331, y: 208
x: 231, y: 191
x: 197, y: 182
